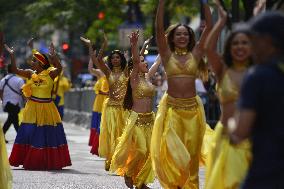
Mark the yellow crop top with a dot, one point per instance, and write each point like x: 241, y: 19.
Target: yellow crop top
x: 101, y: 85
x: 227, y: 89
x: 144, y: 89
x: 176, y: 69
x: 117, y: 87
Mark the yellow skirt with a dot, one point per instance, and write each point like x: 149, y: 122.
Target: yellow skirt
x: 41, y: 113
x: 227, y: 164
x: 111, y: 128
x: 176, y: 141
x: 132, y: 154
x: 5, y: 171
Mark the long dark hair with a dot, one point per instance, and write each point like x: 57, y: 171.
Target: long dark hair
x: 122, y: 58
x: 170, y: 36
x: 228, y: 44
x: 128, y: 98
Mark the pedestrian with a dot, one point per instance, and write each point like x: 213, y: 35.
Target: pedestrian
x: 132, y: 158
x: 40, y: 143
x: 261, y: 103
x: 180, y: 121
x: 12, y: 99
x: 226, y: 164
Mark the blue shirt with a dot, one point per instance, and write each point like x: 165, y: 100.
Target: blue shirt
x: 263, y: 92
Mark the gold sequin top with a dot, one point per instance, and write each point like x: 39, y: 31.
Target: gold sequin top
x: 117, y: 88
x: 227, y: 90
x: 144, y: 89
x: 175, y: 68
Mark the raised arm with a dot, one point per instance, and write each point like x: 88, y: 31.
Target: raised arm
x: 145, y: 46
x: 154, y: 68
x: 214, y: 59
x: 162, y: 44
x: 96, y: 72
x: 199, y: 49
x: 20, y: 72
x: 1, y: 43
x: 55, y: 62
x: 135, y: 55
x: 100, y: 64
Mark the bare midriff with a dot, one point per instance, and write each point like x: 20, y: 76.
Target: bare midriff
x: 144, y: 105
x: 228, y: 110
x: 181, y: 87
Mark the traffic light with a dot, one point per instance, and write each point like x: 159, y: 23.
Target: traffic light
x: 101, y: 15
x: 65, y: 47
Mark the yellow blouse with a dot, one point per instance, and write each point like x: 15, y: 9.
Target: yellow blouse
x: 42, y: 85
x: 176, y: 69
x: 101, y: 85
x: 227, y: 90
x: 144, y: 89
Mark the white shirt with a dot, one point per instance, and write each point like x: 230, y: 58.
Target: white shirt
x: 8, y: 95
x: 199, y: 87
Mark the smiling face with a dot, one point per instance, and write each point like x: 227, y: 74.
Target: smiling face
x: 240, y: 48
x: 181, y: 37
x: 143, y: 65
x: 115, y: 59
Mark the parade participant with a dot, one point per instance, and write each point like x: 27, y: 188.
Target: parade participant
x: 227, y: 164
x: 261, y: 114
x: 5, y: 171
x: 62, y: 85
x: 180, y: 121
x: 40, y: 143
x: 113, y: 114
x: 131, y: 158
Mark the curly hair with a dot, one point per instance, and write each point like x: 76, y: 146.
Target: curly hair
x: 170, y: 36
x: 122, y: 58
x: 227, y: 56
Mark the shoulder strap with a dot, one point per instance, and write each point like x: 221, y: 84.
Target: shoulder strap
x: 6, y: 83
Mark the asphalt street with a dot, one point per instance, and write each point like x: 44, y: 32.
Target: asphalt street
x: 87, y: 171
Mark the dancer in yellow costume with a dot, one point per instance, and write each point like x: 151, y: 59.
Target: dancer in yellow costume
x: 101, y: 89
x: 180, y: 121
x: 132, y: 158
x: 113, y: 114
x: 40, y: 143
x: 227, y: 164
x: 62, y: 85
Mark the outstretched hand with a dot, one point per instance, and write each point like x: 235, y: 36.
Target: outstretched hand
x: 52, y: 49
x: 86, y: 41
x: 133, y: 37
x: 30, y: 43
x: 222, y: 15
x: 10, y: 50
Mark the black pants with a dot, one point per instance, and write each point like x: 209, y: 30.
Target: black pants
x: 12, y: 111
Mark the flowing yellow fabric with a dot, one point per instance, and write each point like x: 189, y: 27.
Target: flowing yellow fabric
x: 5, y: 171
x: 132, y: 154
x: 207, y: 140
x: 100, y: 86
x: 111, y: 128
x: 227, y: 164
x: 64, y: 86
x: 176, y: 141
